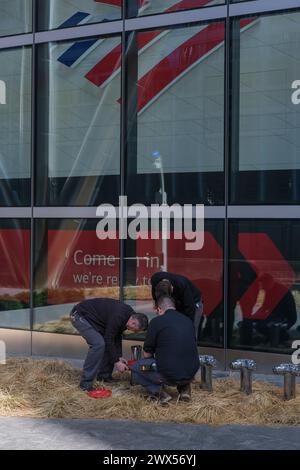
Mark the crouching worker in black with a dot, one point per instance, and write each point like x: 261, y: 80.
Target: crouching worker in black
x: 170, y: 354
x: 101, y: 323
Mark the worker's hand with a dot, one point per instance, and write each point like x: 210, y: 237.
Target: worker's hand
x: 122, y: 359
x: 121, y: 366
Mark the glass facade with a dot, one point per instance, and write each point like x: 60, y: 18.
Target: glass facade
x: 148, y: 7
x: 15, y: 237
x: 265, y: 161
x: 181, y: 102
x: 181, y: 123
x: 15, y: 17
x: 15, y: 128
x: 78, y: 138
x: 54, y: 14
x: 70, y: 265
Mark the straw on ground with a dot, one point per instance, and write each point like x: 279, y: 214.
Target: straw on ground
x: 49, y: 389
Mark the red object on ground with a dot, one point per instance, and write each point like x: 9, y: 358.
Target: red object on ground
x: 131, y: 362
x: 100, y: 393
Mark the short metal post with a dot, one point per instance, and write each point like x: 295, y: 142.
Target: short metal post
x: 289, y: 386
x: 290, y: 372
x: 136, y: 354
x: 206, y: 364
x: 246, y: 381
x: 246, y: 367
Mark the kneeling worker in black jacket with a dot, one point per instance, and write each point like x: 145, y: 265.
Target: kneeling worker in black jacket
x: 101, y: 323
x: 170, y: 354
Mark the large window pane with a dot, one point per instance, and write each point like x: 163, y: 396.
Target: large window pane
x: 71, y: 264
x: 149, y: 7
x: 52, y: 14
x: 15, y: 126
x: 15, y: 17
x: 176, y: 115
x: 203, y: 267
x: 78, y: 122
x: 265, y: 110
x: 14, y: 273
x: 264, y: 310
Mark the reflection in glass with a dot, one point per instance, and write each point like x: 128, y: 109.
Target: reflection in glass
x: 15, y: 126
x: 14, y: 273
x: 264, y: 285
x: 203, y: 267
x: 265, y: 110
x: 78, y: 122
x: 15, y: 17
x: 52, y: 14
x: 176, y: 110
x: 71, y: 264
x: 150, y: 7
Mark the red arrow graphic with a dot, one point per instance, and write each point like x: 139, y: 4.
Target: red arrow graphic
x: 204, y: 267
x: 264, y: 258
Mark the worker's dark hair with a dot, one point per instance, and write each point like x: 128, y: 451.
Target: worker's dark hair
x: 165, y: 302
x: 142, y: 319
x: 163, y: 288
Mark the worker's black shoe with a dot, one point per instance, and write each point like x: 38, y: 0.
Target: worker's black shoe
x: 162, y: 397
x: 86, y: 386
x: 184, y: 392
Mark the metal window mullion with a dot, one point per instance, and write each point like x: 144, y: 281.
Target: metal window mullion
x: 227, y: 97
x: 165, y: 20
x: 122, y: 151
x: 261, y: 6
x: 32, y: 173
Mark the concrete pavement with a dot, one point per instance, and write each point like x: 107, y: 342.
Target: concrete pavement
x: 76, y: 434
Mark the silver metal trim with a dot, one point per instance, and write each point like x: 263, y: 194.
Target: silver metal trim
x: 215, y: 212
x: 15, y: 212
x: 64, y: 212
x: 259, y: 6
x: 16, y: 41
x: 176, y: 18
x: 264, y: 212
x: 79, y: 32
x: 210, y: 212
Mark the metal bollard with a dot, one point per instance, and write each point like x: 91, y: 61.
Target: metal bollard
x: 136, y: 354
x: 290, y: 372
x: 246, y: 367
x: 206, y: 364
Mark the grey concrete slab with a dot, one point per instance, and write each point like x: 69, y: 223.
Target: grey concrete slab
x: 75, y: 434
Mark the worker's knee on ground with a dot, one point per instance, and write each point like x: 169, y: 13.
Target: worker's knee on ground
x: 135, y: 367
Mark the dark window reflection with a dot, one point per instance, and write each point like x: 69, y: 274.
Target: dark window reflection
x: 203, y: 267
x: 15, y: 17
x: 15, y: 126
x: 150, y: 7
x: 265, y: 110
x: 71, y: 264
x: 14, y: 273
x: 176, y: 115
x: 78, y: 122
x: 52, y: 14
x: 264, y: 285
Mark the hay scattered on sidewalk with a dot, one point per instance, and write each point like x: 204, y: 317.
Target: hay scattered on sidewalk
x: 49, y: 389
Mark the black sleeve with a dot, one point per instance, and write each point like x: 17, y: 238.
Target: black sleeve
x: 153, y: 284
x: 188, y: 303
x: 291, y: 311
x: 151, y: 337
x: 113, y: 330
